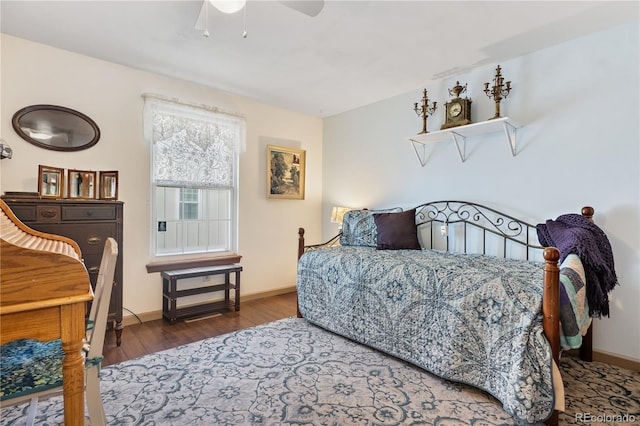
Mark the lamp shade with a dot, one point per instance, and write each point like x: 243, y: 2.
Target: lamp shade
x: 337, y: 213
x: 228, y: 6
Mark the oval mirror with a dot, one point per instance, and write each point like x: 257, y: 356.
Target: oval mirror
x: 55, y: 127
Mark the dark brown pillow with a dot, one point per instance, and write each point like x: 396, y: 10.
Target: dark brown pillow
x: 397, y: 230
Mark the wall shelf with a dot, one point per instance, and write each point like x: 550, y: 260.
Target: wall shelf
x: 460, y: 134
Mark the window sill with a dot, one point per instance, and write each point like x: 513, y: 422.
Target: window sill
x: 193, y: 262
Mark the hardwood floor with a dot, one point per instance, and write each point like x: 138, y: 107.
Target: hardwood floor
x: 158, y: 335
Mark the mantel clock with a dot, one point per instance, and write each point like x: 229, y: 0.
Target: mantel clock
x: 457, y: 110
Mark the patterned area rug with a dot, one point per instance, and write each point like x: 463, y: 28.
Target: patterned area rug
x: 290, y: 372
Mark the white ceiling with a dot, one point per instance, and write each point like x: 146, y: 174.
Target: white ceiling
x: 352, y: 54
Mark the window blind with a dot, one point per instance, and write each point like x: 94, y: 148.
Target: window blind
x: 192, y: 147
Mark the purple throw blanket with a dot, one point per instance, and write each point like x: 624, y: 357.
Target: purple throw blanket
x: 575, y: 234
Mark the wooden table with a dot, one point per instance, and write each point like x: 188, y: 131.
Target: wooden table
x: 43, y: 296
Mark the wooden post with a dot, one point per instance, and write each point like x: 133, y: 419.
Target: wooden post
x: 586, y: 349
x: 588, y: 212
x: 551, y: 308
x: 551, y: 299
x: 300, y: 242
x: 300, y: 253
x: 72, y: 331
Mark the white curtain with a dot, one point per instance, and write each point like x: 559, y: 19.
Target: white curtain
x: 192, y: 146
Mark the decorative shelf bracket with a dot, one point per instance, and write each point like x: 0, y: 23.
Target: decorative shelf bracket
x: 461, y: 150
x: 510, y: 131
x: 420, y: 150
x: 460, y: 134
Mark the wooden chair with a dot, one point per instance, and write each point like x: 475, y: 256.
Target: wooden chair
x: 18, y: 356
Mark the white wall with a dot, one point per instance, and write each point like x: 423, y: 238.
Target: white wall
x: 579, y: 106
x: 111, y: 95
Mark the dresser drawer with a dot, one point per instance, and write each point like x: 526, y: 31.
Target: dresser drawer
x: 90, y: 237
x: 48, y: 213
x: 26, y: 213
x: 92, y: 263
x: 100, y: 212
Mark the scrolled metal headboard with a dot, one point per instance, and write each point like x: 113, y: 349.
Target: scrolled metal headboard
x: 485, y: 220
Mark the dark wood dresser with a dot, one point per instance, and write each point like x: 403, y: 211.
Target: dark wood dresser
x: 89, y: 223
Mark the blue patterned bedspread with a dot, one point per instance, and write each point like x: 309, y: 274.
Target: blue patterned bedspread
x: 469, y: 318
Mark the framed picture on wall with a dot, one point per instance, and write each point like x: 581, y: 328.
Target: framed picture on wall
x: 285, y: 173
x: 50, y: 182
x: 108, y: 185
x: 82, y: 184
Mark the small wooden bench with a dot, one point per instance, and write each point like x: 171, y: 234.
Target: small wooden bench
x: 170, y: 292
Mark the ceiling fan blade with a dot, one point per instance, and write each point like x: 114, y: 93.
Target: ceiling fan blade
x: 308, y: 7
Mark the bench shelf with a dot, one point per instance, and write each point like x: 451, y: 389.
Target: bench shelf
x: 171, y: 294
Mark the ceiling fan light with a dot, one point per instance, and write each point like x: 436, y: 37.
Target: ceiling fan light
x: 228, y: 6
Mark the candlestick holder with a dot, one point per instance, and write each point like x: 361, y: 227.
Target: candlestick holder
x: 425, y: 110
x: 498, y: 91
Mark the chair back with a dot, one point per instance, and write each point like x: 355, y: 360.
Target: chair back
x: 101, y: 300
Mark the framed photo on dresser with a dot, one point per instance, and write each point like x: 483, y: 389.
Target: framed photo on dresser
x: 82, y: 184
x: 108, y: 186
x: 50, y: 182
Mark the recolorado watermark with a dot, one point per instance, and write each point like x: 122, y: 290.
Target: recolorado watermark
x: 605, y: 418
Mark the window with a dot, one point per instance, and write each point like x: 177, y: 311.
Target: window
x: 189, y: 204
x: 194, y: 172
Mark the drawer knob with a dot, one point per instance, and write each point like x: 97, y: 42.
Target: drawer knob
x: 49, y: 213
x: 94, y: 269
x: 94, y: 240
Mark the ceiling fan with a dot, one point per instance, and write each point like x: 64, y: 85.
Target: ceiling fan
x: 308, y: 7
